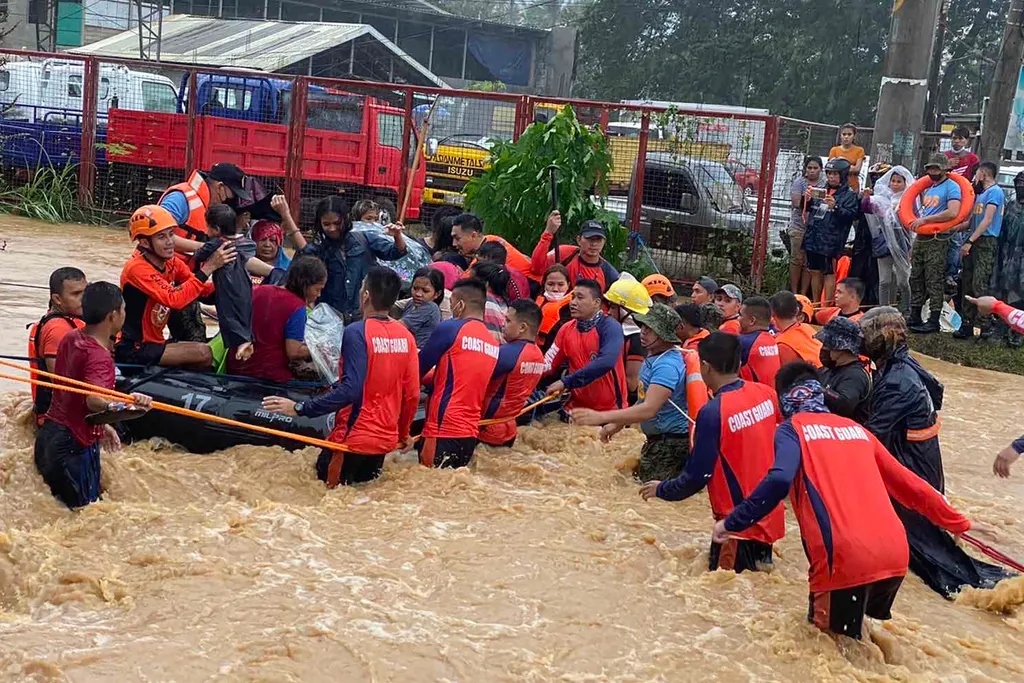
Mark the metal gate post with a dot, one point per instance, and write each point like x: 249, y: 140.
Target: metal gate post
x: 638, y: 174
x: 296, y: 147
x: 87, y: 159
x: 407, y: 132
x: 191, y: 133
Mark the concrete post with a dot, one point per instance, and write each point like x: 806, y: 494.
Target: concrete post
x: 1004, y: 86
x: 904, y: 89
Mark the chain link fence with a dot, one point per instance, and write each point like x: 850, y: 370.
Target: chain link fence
x: 105, y: 136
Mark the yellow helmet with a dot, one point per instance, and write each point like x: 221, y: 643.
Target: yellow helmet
x: 629, y: 294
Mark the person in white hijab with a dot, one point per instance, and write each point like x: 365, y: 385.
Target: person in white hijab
x: 890, y: 241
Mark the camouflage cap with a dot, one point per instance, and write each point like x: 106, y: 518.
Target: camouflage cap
x: 662, y: 320
x: 841, y: 334
x: 938, y: 159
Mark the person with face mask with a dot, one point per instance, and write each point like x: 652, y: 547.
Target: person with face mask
x: 668, y: 378
x: 845, y: 378
x: 979, y: 249
x: 904, y: 404
x: 939, y: 203
x: 847, y: 494
x: 627, y: 299
x: 828, y: 226
x: 890, y: 241
x: 1008, y: 271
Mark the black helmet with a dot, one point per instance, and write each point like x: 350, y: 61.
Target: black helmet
x: 840, y: 166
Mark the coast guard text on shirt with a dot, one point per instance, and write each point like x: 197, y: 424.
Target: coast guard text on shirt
x: 751, y: 416
x: 390, y: 345
x: 766, y: 351
x: 479, y: 345
x: 813, y: 432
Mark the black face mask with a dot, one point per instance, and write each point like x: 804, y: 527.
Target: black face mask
x: 936, y: 177
x: 826, y: 358
x: 978, y: 187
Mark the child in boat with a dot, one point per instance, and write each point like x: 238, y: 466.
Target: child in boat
x: 422, y: 313
x: 232, y: 285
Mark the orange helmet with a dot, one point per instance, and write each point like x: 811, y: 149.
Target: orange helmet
x: 658, y: 284
x: 806, y: 307
x: 149, y: 220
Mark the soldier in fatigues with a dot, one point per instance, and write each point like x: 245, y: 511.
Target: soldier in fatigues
x: 940, y: 203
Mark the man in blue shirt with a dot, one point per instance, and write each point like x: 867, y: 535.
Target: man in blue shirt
x: 939, y: 203
x: 666, y: 378
x: 979, y: 250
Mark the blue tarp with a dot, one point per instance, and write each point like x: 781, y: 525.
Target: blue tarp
x: 508, y: 59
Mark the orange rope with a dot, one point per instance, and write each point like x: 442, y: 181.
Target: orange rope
x: 87, y: 389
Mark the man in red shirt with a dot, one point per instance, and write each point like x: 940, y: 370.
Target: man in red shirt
x: 962, y: 160
x: 584, y: 261
x: 519, y: 369
x: 155, y: 282
x: 760, y: 353
x: 67, y: 449
x: 854, y: 541
x: 591, y: 345
x: 729, y: 300
x: 730, y: 455
x: 468, y: 236
x: 454, y: 364
x: 377, y: 391
x: 64, y: 315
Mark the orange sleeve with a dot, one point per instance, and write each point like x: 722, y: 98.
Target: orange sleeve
x: 53, y: 333
x: 410, y: 393
x: 540, y: 260
x: 911, y: 491
x: 835, y: 152
x: 141, y: 275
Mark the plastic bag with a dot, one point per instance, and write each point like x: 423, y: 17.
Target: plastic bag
x: 324, y: 329
x: 416, y: 255
x: 949, y: 321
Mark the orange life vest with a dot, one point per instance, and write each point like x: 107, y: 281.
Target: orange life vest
x: 825, y: 315
x: 197, y: 193
x: 41, y: 396
x: 800, y: 338
x: 697, y: 395
x: 550, y: 311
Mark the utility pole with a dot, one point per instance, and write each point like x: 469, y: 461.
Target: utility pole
x: 932, y: 113
x: 904, y: 91
x: 1004, y: 85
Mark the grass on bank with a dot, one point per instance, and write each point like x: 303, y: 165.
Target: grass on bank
x: 970, y: 354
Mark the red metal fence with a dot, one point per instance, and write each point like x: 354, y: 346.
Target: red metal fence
x: 695, y: 187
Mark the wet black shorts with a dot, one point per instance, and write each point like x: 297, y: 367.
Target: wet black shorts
x: 740, y: 556
x: 72, y: 471
x: 842, y: 611
x: 356, y: 468
x: 139, y: 353
x: 448, y: 453
x: 820, y: 263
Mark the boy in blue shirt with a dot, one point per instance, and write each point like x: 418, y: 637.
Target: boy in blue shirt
x: 939, y: 203
x: 979, y: 250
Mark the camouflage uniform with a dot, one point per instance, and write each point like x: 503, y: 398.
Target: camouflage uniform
x: 710, y: 316
x: 663, y: 457
x: 978, y: 267
x: 928, y: 272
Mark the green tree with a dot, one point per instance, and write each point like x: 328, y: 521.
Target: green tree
x: 513, y: 196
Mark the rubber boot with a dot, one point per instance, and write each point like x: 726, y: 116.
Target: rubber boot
x: 929, y: 327
x: 915, y: 316
x: 966, y: 330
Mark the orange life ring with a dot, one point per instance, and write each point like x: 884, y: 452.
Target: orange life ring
x: 907, y: 204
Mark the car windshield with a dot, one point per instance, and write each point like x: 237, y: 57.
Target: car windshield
x: 726, y: 195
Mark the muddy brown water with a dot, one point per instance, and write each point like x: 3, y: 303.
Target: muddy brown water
x: 540, y: 564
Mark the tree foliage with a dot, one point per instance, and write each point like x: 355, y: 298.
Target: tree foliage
x: 513, y: 196
x: 813, y: 59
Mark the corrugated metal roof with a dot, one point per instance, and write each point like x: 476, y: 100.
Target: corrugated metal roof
x: 246, y: 43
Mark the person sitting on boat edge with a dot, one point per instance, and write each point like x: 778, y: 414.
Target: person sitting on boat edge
x: 457, y: 355
x: 64, y: 315
x: 155, y: 282
x: 67, y: 448
x: 348, y: 254
x: 279, y: 322
x: 377, y: 391
x: 519, y: 369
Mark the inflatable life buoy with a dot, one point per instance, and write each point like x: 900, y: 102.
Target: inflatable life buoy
x: 907, y: 215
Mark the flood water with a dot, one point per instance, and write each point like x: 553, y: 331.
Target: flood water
x: 540, y: 564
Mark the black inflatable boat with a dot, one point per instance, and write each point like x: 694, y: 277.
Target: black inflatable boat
x: 237, y: 398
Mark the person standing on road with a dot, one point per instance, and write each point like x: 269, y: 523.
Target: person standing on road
x: 849, y: 150
x: 799, y: 277
x: 939, y: 203
x: 979, y: 249
x: 962, y: 160
x: 828, y: 227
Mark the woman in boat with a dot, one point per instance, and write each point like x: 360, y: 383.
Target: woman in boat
x: 279, y: 322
